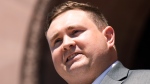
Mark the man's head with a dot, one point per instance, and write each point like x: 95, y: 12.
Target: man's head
x: 81, y: 43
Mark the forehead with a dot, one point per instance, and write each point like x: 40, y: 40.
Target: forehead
x: 69, y: 18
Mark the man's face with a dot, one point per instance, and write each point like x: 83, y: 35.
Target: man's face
x: 77, y: 46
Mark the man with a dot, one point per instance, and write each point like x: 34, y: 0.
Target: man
x: 83, y: 50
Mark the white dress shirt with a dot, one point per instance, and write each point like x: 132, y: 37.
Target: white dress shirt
x: 100, y: 78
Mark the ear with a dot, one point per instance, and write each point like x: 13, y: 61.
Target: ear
x: 109, y: 33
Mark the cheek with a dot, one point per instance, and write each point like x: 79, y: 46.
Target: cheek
x: 88, y: 39
x: 94, y: 43
x: 57, y: 57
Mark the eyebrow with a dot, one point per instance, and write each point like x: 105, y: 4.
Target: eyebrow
x: 74, y: 27
x: 54, y: 36
x: 70, y: 27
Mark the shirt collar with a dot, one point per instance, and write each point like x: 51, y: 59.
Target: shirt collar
x: 100, y: 78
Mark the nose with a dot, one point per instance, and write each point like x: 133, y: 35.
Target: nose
x: 68, y: 42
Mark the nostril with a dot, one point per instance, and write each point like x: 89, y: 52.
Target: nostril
x: 71, y: 45
x: 64, y: 49
x: 67, y: 47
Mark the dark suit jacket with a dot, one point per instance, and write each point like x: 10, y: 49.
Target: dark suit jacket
x: 121, y: 75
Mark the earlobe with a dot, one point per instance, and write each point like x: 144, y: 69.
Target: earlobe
x: 110, y: 35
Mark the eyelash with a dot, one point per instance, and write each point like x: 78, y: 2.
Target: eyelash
x: 75, y: 32
x: 57, y: 40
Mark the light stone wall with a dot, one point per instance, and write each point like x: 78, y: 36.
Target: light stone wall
x: 15, y: 16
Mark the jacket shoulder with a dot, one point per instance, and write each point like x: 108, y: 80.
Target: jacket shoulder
x: 138, y: 77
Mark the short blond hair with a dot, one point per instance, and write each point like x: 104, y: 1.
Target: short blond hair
x: 93, y: 11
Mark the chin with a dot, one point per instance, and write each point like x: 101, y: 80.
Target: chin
x: 78, y: 67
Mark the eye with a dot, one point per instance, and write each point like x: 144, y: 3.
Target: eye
x: 57, y: 42
x: 76, y: 32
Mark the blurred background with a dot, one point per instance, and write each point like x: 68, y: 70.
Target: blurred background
x: 24, y: 52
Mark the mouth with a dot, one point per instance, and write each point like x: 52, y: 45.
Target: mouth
x: 71, y: 56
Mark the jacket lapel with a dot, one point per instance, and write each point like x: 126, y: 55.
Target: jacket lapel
x: 108, y: 80
x: 117, y: 75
